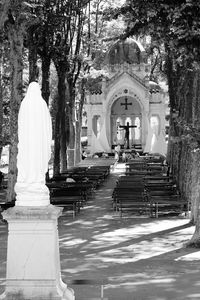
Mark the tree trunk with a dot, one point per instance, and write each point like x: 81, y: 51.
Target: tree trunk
x: 46, y: 61
x: 195, y: 188
x: 79, y: 122
x: 32, y: 56
x: 63, y: 141
x: 70, y: 113
x: 184, y: 153
x: 195, y: 240
x: 78, y: 142
x: 56, y: 161
x: 71, y: 145
x: 5, y: 5
x: 1, y: 100
x: 16, y: 47
x: 60, y: 147
x: 172, y: 88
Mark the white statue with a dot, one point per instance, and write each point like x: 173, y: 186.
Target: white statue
x: 34, y: 149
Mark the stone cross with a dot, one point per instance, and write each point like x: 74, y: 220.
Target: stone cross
x: 126, y: 104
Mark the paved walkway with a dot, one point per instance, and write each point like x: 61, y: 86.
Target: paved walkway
x: 104, y: 256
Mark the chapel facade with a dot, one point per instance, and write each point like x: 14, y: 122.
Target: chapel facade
x: 126, y: 96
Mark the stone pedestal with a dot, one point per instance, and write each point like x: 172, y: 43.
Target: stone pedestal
x: 33, y: 259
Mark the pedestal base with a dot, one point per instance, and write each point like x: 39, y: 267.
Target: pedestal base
x: 33, y: 259
x: 68, y: 294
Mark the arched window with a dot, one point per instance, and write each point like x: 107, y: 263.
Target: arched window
x: 96, y: 125
x: 119, y: 131
x: 137, y: 129
x: 155, y: 124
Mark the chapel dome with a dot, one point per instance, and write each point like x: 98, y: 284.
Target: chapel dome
x: 154, y: 87
x: 126, y: 51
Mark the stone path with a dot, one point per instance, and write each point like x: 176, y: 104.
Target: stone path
x: 132, y: 257
x: 104, y: 256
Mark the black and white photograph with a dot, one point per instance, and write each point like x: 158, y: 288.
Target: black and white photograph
x: 99, y: 150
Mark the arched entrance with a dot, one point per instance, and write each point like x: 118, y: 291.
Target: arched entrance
x: 126, y: 110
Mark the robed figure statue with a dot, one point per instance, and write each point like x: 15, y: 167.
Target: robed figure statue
x: 34, y: 149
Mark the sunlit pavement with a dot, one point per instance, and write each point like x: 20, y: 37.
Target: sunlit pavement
x: 104, y: 256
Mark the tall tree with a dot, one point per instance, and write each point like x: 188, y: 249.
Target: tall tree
x: 1, y: 94
x: 15, y: 29
x: 175, y: 24
x: 4, y: 92
x: 15, y: 17
x: 68, y: 60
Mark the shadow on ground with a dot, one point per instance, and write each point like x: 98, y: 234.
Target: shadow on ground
x: 104, y: 256
x: 134, y: 257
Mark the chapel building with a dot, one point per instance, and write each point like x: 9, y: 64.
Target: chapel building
x: 126, y: 97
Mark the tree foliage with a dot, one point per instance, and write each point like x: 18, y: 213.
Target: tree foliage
x: 175, y: 23
x: 175, y: 26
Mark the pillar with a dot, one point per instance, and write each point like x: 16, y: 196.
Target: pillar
x: 33, y: 259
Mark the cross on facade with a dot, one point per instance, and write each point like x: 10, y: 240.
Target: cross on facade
x: 126, y: 103
x: 126, y: 128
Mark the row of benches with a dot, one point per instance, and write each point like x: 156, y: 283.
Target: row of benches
x: 146, y: 188
x: 94, y: 174
x: 72, y: 189
x: 73, y: 195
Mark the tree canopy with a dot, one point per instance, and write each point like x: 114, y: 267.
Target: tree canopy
x: 75, y: 36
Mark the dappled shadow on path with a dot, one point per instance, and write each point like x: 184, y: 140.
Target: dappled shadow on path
x: 134, y: 257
